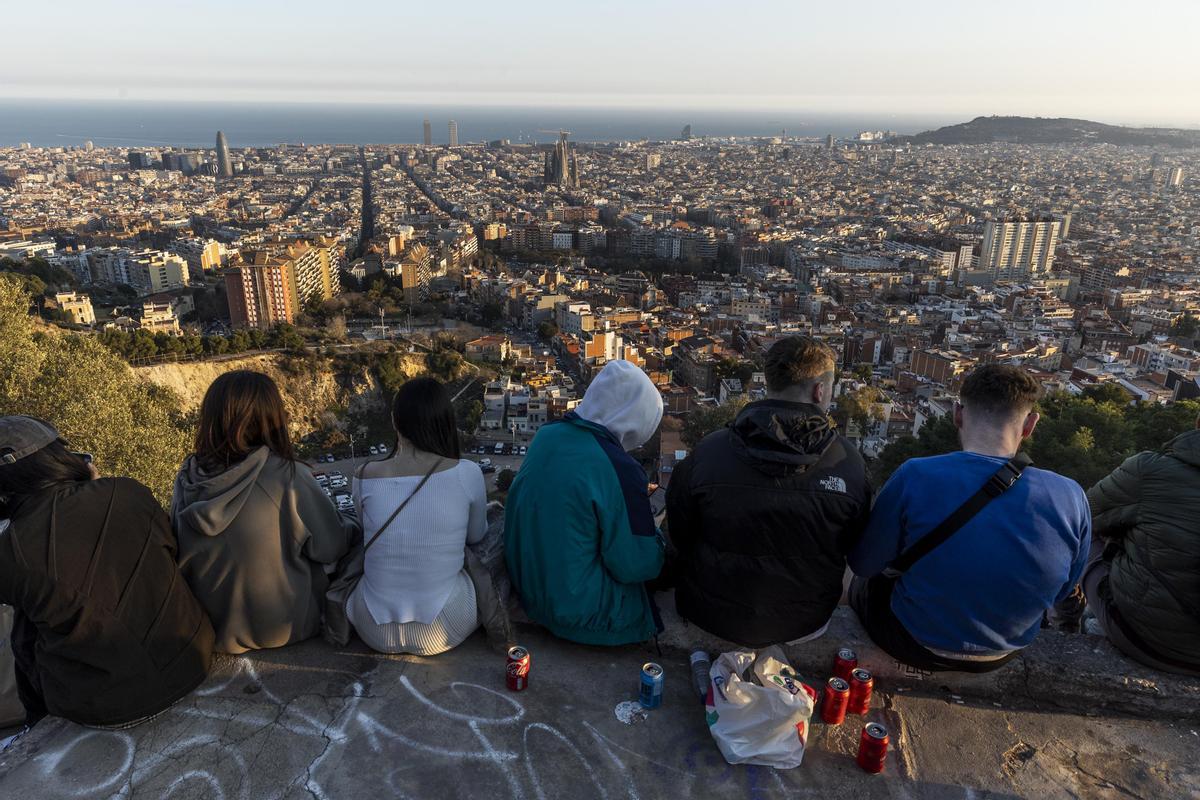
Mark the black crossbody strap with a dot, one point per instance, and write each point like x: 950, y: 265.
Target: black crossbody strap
x: 400, y: 508
x: 996, y: 485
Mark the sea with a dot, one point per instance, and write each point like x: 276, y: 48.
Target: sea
x: 134, y: 123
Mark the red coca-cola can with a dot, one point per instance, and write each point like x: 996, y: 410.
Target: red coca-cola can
x: 872, y: 747
x: 834, y: 701
x: 861, y: 684
x: 844, y: 663
x: 517, y: 671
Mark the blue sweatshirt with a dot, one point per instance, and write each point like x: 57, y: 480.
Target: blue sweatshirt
x: 985, y: 588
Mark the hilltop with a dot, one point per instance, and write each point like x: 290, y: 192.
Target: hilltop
x: 1044, y: 130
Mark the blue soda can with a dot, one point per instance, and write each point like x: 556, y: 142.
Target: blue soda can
x: 650, y: 695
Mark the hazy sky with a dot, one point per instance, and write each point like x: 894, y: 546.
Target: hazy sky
x: 1112, y: 61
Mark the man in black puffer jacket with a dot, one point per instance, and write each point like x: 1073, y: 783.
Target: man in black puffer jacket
x: 1142, y: 579
x: 763, y: 512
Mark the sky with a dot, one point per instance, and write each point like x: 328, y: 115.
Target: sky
x: 1117, y: 62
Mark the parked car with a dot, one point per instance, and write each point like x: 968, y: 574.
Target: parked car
x: 327, y: 458
x: 488, y: 468
x: 485, y: 462
x: 524, y: 449
x: 499, y: 450
x: 322, y: 478
x: 374, y: 450
x: 383, y: 448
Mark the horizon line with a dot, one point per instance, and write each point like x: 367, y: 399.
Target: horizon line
x: 574, y: 106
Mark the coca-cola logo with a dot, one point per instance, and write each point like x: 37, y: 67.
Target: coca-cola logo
x: 518, y: 669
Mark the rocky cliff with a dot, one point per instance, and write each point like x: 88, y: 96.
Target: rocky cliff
x: 312, y: 388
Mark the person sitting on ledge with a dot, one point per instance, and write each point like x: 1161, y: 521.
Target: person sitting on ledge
x: 972, y: 602
x: 255, y: 528
x: 580, y: 539
x: 423, y: 506
x: 1142, y: 579
x: 763, y: 512
x: 105, y: 632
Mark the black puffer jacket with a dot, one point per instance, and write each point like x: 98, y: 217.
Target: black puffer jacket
x: 107, y: 630
x: 763, y: 514
x: 1148, y: 512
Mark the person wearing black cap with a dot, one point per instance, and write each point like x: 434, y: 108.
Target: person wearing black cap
x: 106, y: 632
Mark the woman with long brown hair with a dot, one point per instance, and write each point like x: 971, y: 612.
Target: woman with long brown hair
x: 255, y: 529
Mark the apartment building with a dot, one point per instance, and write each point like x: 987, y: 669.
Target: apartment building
x: 1018, y: 249
x: 152, y: 271
x: 79, y: 306
x: 261, y: 295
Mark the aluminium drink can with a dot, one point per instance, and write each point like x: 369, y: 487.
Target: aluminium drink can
x: 844, y: 663
x: 861, y: 685
x: 517, y: 669
x: 651, y: 689
x: 834, y: 701
x: 872, y: 747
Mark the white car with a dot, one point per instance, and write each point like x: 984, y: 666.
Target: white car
x: 485, y: 462
x: 374, y: 450
x: 383, y: 448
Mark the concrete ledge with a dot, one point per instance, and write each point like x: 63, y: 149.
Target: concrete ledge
x: 1074, y: 672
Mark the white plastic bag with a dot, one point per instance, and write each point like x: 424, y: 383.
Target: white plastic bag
x: 753, y: 724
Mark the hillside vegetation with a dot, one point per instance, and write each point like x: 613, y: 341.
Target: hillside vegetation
x: 1062, y: 130
x: 132, y: 427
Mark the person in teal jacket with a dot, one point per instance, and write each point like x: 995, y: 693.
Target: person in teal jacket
x: 580, y: 539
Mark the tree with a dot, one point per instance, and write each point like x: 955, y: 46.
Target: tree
x: 444, y: 364
x: 938, y: 435
x: 1185, y: 326
x: 727, y: 367
x: 391, y: 371
x: 132, y: 427
x: 863, y: 372
x: 504, y: 479
x: 703, y: 421
x: 491, y: 313
x: 547, y: 330
x: 337, y: 328
x: 469, y: 418
x: 30, y: 284
x: 859, y: 406
x: 1083, y: 437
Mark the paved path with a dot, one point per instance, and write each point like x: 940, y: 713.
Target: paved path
x: 311, y: 722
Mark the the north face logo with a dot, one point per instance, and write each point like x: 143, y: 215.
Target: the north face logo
x: 833, y: 484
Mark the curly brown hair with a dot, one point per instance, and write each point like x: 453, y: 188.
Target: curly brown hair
x: 1000, y: 390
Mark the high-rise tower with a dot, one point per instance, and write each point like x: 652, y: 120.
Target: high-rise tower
x: 428, y: 134
x: 224, y: 162
x: 1019, y: 249
x: 453, y: 133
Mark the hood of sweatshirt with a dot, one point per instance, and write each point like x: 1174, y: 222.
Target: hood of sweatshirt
x: 781, y: 436
x: 1186, y: 447
x: 624, y: 400
x: 209, y: 503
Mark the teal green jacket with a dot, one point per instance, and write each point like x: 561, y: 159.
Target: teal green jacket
x: 580, y: 540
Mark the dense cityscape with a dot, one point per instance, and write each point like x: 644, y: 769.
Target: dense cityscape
x: 688, y: 258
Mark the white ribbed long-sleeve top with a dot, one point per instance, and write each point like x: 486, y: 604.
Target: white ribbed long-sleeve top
x: 410, y: 572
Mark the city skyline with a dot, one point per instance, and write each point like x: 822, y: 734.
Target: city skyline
x: 780, y: 57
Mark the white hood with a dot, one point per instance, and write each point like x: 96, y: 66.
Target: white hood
x: 623, y: 399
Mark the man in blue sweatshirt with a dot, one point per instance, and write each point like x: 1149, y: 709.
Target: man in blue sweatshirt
x: 974, y: 601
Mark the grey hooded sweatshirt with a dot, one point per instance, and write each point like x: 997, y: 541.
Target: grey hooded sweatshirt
x: 253, y: 542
